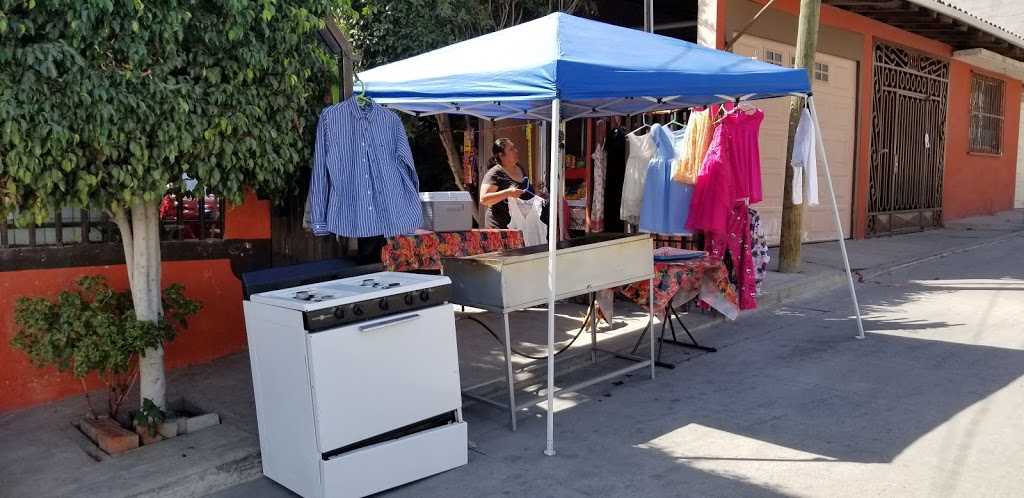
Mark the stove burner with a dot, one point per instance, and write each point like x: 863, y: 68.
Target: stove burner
x: 378, y: 285
x: 310, y: 296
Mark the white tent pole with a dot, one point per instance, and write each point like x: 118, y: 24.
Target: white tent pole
x: 554, y: 203
x: 835, y: 212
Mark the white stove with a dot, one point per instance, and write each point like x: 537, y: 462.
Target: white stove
x: 356, y: 383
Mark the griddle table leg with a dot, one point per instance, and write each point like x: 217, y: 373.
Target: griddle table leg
x: 650, y: 317
x: 508, y: 373
x: 592, y: 314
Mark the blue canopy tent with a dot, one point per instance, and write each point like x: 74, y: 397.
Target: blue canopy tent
x: 562, y: 67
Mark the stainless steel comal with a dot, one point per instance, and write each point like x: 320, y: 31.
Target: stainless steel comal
x: 518, y: 278
x: 503, y: 282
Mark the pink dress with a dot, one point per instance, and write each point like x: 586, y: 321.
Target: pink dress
x: 746, y: 155
x: 715, y: 191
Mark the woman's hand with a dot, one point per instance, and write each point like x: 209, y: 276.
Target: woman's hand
x: 514, y: 192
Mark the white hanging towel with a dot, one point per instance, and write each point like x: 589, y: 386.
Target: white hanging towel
x: 805, y: 161
x: 526, y: 218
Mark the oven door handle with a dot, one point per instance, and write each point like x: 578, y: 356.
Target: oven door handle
x: 387, y: 323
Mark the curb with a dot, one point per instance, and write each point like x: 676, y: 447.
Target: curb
x: 916, y: 261
x: 838, y: 277
x: 207, y: 481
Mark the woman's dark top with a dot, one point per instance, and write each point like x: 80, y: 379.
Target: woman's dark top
x: 497, y: 215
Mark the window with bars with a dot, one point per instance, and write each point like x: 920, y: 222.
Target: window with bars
x: 773, y: 57
x: 986, y: 115
x: 183, y: 216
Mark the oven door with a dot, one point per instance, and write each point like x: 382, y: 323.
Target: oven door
x: 376, y: 376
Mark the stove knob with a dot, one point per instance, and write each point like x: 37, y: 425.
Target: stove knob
x: 357, y: 309
x: 383, y: 304
x: 409, y: 299
x: 425, y: 295
x: 339, y: 313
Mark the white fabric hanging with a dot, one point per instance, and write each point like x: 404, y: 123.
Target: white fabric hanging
x: 526, y: 218
x: 805, y: 161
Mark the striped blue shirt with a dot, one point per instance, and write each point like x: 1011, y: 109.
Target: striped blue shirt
x: 364, y: 181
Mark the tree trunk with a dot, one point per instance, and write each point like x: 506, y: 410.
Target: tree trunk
x: 793, y: 214
x: 451, y: 149
x: 141, y: 243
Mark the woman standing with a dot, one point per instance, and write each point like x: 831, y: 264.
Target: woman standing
x: 504, y: 180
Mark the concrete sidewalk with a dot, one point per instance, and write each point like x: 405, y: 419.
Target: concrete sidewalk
x: 41, y: 454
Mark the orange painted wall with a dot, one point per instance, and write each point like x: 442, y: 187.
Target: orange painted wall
x: 978, y: 184
x: 216, y: 331
x: 965, y: 191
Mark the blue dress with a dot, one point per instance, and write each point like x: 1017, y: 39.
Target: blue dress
x: 666, y: 203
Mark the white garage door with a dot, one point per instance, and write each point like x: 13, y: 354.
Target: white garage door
x: 835, y: 94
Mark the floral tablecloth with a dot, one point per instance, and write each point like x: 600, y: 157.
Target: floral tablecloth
x: 424, y: 251
x: 679, y: 282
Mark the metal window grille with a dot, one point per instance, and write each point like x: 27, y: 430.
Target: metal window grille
x: 178, y: 221
x: 191, y: 216
x: 987, y: 115
x: 64, y: 226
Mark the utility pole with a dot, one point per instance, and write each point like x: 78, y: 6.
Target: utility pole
x: 793, y: 215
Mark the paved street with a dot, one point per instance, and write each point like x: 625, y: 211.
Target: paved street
x: 928, y: 405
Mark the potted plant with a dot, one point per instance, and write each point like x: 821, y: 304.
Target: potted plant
x: 93, y: 329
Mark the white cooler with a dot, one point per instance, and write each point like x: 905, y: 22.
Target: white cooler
x: 447, y: 211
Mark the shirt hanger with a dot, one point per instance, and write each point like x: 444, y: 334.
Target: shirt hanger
x: 674, y: 122
x: 644, y: 125
x: 361, y: 99
x: 738, y: 106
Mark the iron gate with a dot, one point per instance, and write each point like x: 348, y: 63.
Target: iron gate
x: 908, y: 118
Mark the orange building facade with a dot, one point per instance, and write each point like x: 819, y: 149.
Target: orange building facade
x: 941, y: 175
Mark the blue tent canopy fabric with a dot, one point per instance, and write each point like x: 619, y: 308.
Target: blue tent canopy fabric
x: 596, y: 69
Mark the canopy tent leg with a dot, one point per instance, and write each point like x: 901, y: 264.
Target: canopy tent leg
x: 835, y: 212
x: 555, y: 202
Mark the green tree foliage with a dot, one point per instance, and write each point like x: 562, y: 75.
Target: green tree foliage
x: 385, y: 31
x: 104, y: 102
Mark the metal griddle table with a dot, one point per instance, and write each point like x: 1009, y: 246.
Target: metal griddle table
x: 507, y: 281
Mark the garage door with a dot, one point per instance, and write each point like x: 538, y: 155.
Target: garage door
x: 835, y: 94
